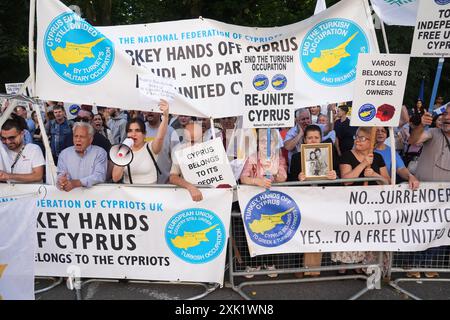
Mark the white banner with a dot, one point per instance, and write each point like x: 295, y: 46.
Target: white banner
x: 17, y: 245
x: 269, y: 96
x: 134, y: 233
x: 76, y: 62
x: 13, y: 88
x: 396, y: 12
x: 206, y: 163
x: 376, y: 218
x: 379, y: 89
x: 432, y: 33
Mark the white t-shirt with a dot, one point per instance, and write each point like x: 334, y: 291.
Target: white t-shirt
x: 30, y: 158
x: 143, y: 171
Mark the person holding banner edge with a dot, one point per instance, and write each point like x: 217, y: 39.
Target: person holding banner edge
x: 143, y: 169
x: 192, y: 136
x: 433, y: 166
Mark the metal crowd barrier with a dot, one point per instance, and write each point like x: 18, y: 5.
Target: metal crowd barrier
x: 431, y: 265
x: 283, y: 268
x: 75, y: 282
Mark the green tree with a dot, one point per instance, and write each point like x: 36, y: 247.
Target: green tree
x: 253, y: 13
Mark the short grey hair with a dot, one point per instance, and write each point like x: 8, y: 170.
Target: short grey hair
x: 84, y: 125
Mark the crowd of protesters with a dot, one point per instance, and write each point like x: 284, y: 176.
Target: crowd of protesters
x: 80, y: 149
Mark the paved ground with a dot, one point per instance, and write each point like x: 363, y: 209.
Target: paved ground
x: 326, y: 290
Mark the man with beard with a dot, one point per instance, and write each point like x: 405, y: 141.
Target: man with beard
x: 21, y: 163
x: 171, y: 139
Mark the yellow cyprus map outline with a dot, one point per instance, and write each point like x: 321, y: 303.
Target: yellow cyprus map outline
x: 329, y: 58
x: 268, y: 221
x: 74, y: 53
x: 191, y: 239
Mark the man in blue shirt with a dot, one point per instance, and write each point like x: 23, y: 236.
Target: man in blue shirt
x: 82, y: 165
x: 57, y: 130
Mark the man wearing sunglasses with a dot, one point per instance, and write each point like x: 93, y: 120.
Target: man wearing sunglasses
x: 22, y: 163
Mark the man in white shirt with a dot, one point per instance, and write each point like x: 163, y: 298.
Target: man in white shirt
x: 21, y: 163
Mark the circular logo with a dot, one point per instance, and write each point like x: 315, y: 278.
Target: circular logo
x: 442, y: 2
x: 271, y: 218
x: 367, y: 112
x: 279, y: 82
x: 73, y: 109
x: 260, y: 82
x: 196, y: 235
x: 77, y: 52
x: 329, y: 51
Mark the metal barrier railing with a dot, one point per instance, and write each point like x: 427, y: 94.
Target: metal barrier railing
x: 74, y: 282
x: 243, y: 266
x: 431, y: 262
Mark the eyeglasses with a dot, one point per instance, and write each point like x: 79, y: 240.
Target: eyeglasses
x: 361, y: 138
x: 78, y: 119
x: 12, y: 138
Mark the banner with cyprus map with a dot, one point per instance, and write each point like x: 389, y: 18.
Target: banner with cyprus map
x: 376, y: 218
x: 105, y: 65
x: 131, y: 232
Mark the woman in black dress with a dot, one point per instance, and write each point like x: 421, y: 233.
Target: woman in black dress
x: 361, y: 161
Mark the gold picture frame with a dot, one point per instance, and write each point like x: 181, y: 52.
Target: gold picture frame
x: 317, y: 160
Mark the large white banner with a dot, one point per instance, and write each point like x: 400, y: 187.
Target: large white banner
x: 396, y: 12
x: 76, y: 62
x: 375, y: 218
x: 17, y: 245
x: 379, y: 89
x: 432, y: 33
x: 131, y: 232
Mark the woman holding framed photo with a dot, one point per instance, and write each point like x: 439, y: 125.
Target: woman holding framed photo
x: 312, y: 138
x: 301, y: 169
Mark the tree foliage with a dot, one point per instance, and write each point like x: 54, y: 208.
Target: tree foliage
x: 255, y: 13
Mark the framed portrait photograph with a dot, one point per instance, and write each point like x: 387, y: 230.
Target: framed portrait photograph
x: 317, y: 160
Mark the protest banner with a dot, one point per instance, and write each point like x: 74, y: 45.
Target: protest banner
x: 376, y: 218
x: 131, y: 232
x: 379, y: 89
x: 13, y: 88
x: 17, y: 246
x: 206, y: 163
x: 202, y: 55
x: 432, y: 33
x: 269, y: 93
x: 396, y: 12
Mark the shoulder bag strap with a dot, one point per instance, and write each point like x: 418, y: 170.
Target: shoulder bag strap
x: 18, y: 157
x: 153, y: 158
x: 129, y: 174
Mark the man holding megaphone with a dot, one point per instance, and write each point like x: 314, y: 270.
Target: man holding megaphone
x: 137, y: 156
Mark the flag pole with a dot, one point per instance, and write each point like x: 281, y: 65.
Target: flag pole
x: 31, y: 46
x: 436, y: 83
x: 393, y: 172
